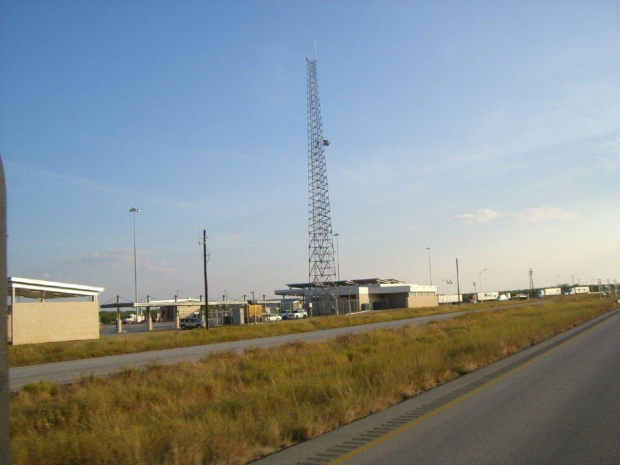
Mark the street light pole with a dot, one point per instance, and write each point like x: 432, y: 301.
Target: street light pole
x: 205, y: 259
x: 480, y: 279
x: 337, y: 235
x: 430, y: 273
x: 458, y: 283
x: 135, y: 210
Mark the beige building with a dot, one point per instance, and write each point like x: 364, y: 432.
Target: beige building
x: 371, y: 294
x: 44, y: 311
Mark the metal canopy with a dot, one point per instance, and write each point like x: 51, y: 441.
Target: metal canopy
x: 351, y: 282
x: 118, y: 305
x: 173, y: 303
x: 38, y: 289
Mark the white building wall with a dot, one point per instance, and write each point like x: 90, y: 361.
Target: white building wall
x: 37, y: 322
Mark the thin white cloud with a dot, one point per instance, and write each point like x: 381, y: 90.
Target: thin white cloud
x: 530, y: 215
x: 543, y: 214
x: 481, y: 215
x: 85, y: 183
x: 78, y: 181
x: 108, y: 258
x: 123, y: 258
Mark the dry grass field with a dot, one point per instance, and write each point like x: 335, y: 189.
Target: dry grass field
x: 233, y: 408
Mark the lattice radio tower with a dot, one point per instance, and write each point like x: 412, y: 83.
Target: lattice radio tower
x: 321, y: 267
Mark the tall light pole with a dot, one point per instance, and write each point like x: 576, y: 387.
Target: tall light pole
x: 337, y: 235
x: 135, y: 210
x: 205, y: 259
x: 480, y: 279
x: 430, y: 273
x: 458, y: 283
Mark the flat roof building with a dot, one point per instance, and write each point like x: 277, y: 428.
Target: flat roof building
x: 45, y: 311
x: 369, y: 294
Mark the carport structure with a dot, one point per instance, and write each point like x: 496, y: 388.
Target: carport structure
x: 45, y: 311
x: 168, y: 310
x: 174, y: 310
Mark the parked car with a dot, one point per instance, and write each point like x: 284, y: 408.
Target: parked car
x: 295, y: 314
x: 272, y: 317
x: 189, y: 323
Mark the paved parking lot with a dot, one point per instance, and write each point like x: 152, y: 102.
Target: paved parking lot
x: 110, y: 330
x: 128, y: 329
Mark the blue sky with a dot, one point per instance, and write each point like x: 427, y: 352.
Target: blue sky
x: 487, y: 131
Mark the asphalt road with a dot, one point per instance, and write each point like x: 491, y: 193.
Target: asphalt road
x: 67, y: 372
x: 555, y: 403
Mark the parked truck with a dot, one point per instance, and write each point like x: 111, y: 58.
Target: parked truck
x: 132, y: 318
x: 487, y: 296
x: 578, y: 290
x: 548, y: 292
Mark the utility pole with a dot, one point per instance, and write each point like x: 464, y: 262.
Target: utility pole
x: 254, y: 305
x: 204, y: 264
x: 5, y: 424
x: 531, y: 273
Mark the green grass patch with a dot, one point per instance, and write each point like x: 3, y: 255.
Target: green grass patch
x: 233, y: 408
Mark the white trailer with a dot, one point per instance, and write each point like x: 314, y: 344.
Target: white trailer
x: 447, y: 299
x: 579, y: 290
x: 550, y: 291
x: 486, y: 296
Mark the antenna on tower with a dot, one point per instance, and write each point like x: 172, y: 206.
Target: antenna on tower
x: 315, y: 55
x: 321, y: 264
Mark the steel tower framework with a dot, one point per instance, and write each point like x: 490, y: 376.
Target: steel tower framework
x: 321, y: 267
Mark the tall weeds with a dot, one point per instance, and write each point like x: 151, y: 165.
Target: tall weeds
x: 233, y: 408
